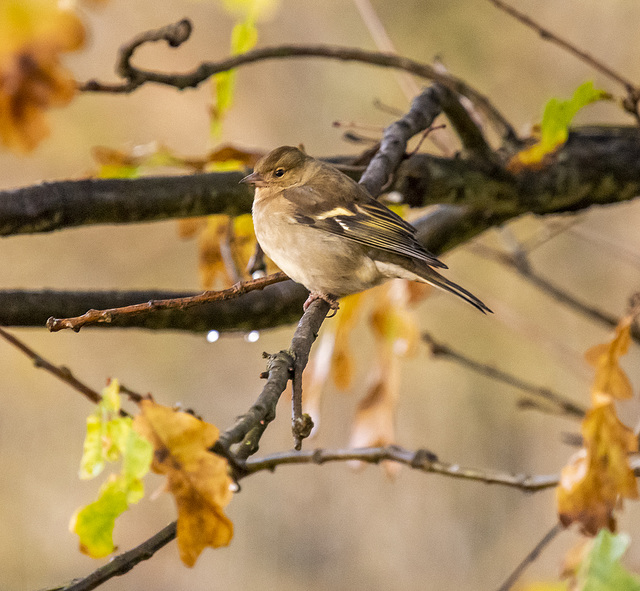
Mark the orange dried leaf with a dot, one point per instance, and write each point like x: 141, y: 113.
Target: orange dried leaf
x: 190, y: 227
x: 314, y: 377
x: 240, y: 157
x: 598, y: 476
x: 33, y: 34
x: 373, y: 424
x: 211, y: 262
x: 342, y: 359
x: 197, y: 479
x: 611, y: 380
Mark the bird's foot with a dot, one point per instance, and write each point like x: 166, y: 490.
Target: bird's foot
x: 331, y: 300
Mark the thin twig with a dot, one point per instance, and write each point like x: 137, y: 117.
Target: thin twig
x: 531, y: 557
x: 519, y: 262
x: 633, y: 92
x: 554, y: 402
x: 97, y: 316
x: 64, y: 374
x: 135, y: 77
x: 422, y: 460
x: 61, y: 372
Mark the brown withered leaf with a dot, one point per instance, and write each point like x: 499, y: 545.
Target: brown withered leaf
x: 197, y: 479
x: 374, y: 422
x: 230, y: 153
x: 32, y: 36
x: 598, y: 476
x: 611, y: 380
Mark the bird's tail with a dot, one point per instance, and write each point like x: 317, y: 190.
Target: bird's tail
x: 428, y: 275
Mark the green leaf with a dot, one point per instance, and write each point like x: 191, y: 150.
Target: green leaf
x: 109, y: 438
x: 558, y: 114
x: 554, y: 129
x: 94, y: 523
x: 601, y: 569
x: 243, y: 37
x: 92, y: 462
x: 137, y: 458
x: 105, y: 432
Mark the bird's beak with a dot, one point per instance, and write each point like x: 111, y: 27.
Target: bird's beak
x: 254, y: 179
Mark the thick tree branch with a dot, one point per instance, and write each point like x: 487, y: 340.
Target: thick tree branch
x: 66, y: 204
x: 123, y: 563
x: 595, y: 166
x: 276, y: 305
x: 424, y: 109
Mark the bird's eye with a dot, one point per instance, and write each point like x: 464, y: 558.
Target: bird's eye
x: 278, y: 172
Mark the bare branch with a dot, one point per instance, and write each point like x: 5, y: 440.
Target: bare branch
x: 61, y: 372
x: 109, y: 315
x: 379, y: 173
x: 66, y: 204
x: 633, y: 92
x: 520, y: 263
x: 551, y: 401
x: 531, y: 557
x: 276, y: 305
x: 421, y: 460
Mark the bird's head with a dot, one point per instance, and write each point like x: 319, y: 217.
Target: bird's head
x: 281, y: 168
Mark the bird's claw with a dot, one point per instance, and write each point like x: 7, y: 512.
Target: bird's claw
x: 331, y: 300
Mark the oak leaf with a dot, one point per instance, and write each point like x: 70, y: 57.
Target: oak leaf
x: 110, y: 437
x: 599, y: 475
x: 611, y: 380
x: 197, y: 478
x: 33, y: 35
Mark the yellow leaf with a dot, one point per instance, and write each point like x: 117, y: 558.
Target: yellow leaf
x: 342, y: 359
x: 211, y: 263
x: 33, y: 34
x: 611, y: 380
x: 254, y: 9
x: 197, y: 478
x: 596, y: 478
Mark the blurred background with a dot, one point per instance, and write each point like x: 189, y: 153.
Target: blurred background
x: 326, y: 527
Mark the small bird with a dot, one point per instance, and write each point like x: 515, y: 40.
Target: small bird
x: 325, y: 231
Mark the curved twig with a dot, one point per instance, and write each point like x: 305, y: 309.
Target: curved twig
x: 179, y: 32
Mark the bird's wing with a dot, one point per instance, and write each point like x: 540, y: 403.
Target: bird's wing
x: 362, y: 220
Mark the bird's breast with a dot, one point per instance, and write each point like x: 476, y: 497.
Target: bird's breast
x: 321, y: 261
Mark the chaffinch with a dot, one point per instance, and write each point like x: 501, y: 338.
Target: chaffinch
x: 325, y: 231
